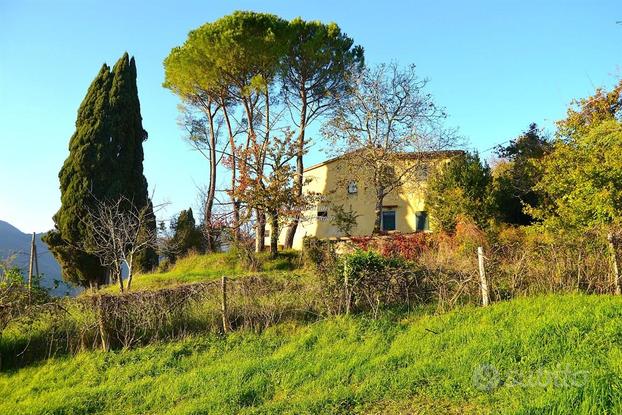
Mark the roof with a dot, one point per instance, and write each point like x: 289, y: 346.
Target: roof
x: 410, y: 155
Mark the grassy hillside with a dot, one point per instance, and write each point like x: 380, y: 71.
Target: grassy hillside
x: 196, y: 268
x: 553, y: 354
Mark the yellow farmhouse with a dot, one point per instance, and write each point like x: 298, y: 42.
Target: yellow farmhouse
x: 338, y: 184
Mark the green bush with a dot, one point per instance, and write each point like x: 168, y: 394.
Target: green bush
x: 461, y: 188
x: 371, y: 281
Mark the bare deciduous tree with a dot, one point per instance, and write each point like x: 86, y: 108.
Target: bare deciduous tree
x: 387, y: 119
x: 118, y: 232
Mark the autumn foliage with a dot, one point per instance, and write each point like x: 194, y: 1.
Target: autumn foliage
x: 406, y: 246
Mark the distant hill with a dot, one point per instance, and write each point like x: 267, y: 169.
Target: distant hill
x: 14, y: 242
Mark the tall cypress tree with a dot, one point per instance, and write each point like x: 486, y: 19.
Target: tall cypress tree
x: 105, y: 162
x: 128, y: 133
x: 80, y: 176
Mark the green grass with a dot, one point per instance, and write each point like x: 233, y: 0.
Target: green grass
x: 198, y: 268
x: 401, y: 363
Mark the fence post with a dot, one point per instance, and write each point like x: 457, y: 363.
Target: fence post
x: 225, y: 325
x: 347, y: 291
x: 613, y: 251
x: 103, y: 333
x: 31, y: 264
x: 482, y: 277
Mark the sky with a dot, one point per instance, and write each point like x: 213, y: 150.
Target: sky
x: 496, y: 66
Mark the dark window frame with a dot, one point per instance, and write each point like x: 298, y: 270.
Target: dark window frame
x: 389, y: 212
x: 322, y: 215
x: 422, y: 215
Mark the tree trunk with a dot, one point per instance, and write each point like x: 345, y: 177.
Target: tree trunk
x: 119, y: 273
x: 274, y: 234
x: 129, y: 276
x: 482, y: 277
x: 223, y: 304
x: 293, y: 225
x: 613, y: 251
x: 236, y: 220
x: 378, y: 213
x: 259, y: 169
x: 103, y: 333
x: 251, y: 140
x: 236, y: 205
x: 260, y: 231
x: 211, y: 193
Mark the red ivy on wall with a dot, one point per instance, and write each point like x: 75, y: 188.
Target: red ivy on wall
x: 406, y: 246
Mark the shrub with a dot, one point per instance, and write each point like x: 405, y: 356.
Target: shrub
x: 319, y: 255
x: 245, y: 252
x: 187, y: 237
x: 18, y: 302
x: 344, y: 220
x: 143, y: 317
x: 164, y: 265
x: 132, y: 319
x: 257, y: 302
x: 370, y: 281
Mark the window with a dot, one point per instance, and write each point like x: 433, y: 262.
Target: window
x: 423, y: 222
x: 352, y: 188
x: 388, y: 220
x: 322, y: 215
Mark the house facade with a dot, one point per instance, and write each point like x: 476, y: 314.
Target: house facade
x: 341, y: 184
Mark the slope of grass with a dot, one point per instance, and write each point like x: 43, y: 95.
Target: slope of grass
x: 197, y: 268
x: 545, y: 355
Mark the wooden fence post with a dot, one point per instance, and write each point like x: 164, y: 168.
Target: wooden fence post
x: 346, y: 288
x: 225, y: 325
x: 103, y: 333
x: 613, y: 251
x: 31, y: 264
x: 482, y: 277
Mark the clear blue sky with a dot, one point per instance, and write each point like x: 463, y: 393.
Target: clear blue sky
x: 495, y: 65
